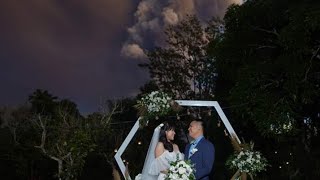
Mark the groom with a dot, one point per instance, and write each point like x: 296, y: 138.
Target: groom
x: 200, y: 151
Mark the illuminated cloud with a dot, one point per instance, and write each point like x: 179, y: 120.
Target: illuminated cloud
x: 153, y: 16
x: 170, y: 17
x: 133, y: 50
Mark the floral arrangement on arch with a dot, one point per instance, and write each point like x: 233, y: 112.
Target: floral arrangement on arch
x: 153, y: 105
x: 181, y: 169
x: 245, y: 160
x: 283, y: 125
x: 281, y: 129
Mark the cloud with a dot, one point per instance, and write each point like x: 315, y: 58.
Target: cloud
x: 153, y: 16
x: 144, y: 10
x: 133, y: 50
x: 183, y: 7
x: 169, y: 16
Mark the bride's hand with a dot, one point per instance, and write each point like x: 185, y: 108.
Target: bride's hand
x: 164, y: 172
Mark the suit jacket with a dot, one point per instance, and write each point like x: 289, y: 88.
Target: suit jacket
x: 202, y: 159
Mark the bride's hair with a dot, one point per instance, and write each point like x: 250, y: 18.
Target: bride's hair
x: 162, y: 138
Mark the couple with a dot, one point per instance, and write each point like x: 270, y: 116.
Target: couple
x: 162, y: 151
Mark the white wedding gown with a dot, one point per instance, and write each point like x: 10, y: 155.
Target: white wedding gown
x: 162, y: 163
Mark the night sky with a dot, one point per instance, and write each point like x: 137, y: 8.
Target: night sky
x: 85, y: 50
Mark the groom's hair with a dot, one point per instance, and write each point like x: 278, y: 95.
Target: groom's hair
x: 201, y: 123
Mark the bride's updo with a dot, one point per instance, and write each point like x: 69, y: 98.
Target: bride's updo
x: 162, y: 138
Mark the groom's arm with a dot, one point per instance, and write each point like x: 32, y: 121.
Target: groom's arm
x: 208, y: 159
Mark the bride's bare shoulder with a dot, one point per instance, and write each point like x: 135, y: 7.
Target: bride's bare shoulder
x: 159, y: 149
x: 160, y: 144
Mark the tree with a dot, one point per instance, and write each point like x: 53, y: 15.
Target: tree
x: 53, y: 126
x: 268, y: 66
x: 17, y: 154
x: 16, y: 120
x: 68, y: 107
x: 183, y: 67
x: 65, y: 139
x: 42, y: 102
x: 110, y: 126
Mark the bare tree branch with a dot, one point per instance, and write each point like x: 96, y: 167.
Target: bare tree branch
x: 315, y: 54
x: 43, y: 134
x: 258, y: 46
x: 42, y: 125
x: 64, y: 115
x: 274, y: 31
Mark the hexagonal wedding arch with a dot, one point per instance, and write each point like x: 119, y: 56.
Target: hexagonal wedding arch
x: 135, y: 128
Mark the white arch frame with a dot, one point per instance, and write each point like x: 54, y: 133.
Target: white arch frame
x: 135, y: 128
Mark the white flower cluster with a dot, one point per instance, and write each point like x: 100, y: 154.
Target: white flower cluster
x: 194, y: 150
x: 181, y: 170
x: 156, y: 102
x: 249, y: 161
x: 284, y: 128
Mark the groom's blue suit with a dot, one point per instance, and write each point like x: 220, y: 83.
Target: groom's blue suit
x: 203, y: 158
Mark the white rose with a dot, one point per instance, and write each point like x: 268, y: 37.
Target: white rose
x: 183, y: 163
x: 171, y: 168
x: 184, y: 176
x: 182, y: 170
x: 173, y: 176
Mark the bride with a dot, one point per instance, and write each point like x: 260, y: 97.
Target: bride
x: 161, y: 152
